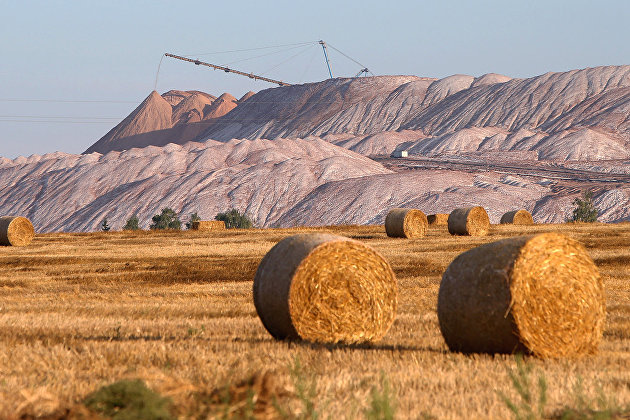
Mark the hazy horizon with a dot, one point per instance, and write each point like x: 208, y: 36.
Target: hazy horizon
x: 71, y: 72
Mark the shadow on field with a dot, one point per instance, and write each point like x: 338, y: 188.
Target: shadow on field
x: 362, y: 237
x: 365, y: 346
x: 338, y: 346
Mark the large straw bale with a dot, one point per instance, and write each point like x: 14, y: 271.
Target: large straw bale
x: 471, y: 221
x: 517, y: 217
x: 204, y: 225
x: 16, y: 231
x: 439, y: 219
x: 325, y: 288
x: 406, y: 223
x: 535, y: 294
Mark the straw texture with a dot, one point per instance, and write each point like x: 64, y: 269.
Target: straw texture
x: 471, y: 221
x: 16, y: 231
x: 325, y: 288
x: 204, y: 225
x: 406, y: 223
x: 439, y: 219
x: 536, y: 294
x: 517, y: 217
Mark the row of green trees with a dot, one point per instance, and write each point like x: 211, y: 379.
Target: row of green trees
x: 168, y: 219
x: 584, y: 211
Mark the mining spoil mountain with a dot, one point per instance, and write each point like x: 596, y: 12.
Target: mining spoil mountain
x: 319, y: 153
x: 174, y: 117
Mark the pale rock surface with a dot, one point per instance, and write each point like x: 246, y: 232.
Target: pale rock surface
x: 175, y: 117
x: 313, y: 168
x: 174, y: 97
x: 383, y: 143
x: 490, y: 79
x: 530, y: 115
x: 442, y: 88
x: 519, y: 103
x: 264, y: 178
x: 246, y: 96
x: 282, y: 182
x: 465, y: 140
x: 585, y: 145
x: 613, y: 204
x: 154, y: 113
x: 221, y: 106
x: 609, y: 110
x: 431, y: 191
x: 353, y: 106
x: 191, y: 108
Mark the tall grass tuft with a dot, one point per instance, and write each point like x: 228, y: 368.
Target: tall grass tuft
x: 532, y: 399
x: 383, y: 403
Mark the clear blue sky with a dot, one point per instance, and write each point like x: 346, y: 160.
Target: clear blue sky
x: 108, y: 51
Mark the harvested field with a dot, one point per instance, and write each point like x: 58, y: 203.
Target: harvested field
x: 78, y: 311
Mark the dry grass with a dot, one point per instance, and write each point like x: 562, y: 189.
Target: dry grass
x: 175, y: 309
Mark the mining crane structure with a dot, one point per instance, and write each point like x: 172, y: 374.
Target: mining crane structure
x: 323, y: 44
x: 226, y: 69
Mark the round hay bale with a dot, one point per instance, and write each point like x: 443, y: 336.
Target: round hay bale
x: 406, y: 223
x: 206, y: 225
x: 535, y: 294
x: 517, y: 217
x: 16, y: 231
x: 439, y: 219
x: 471, y: 221
x: 325, y: 288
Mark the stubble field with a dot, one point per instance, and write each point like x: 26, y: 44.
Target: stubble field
x: 175, y: 309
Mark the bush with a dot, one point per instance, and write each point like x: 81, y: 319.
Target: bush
x: 129, y: 399
x: 193, y: 218
x: 105, y: 226
x: 584, y: 210
x: 132, y: 223
x: 168, y: 219
x: 235, y: 220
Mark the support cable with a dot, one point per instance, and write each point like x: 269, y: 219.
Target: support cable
x: 287, y: 60
x: 251, y: 49
x: 157, y: 73
x: 348, y: 57
x: 264, y: 55
x: 310, y: 62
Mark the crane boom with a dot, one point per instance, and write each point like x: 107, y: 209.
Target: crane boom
x: 228, y: 70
